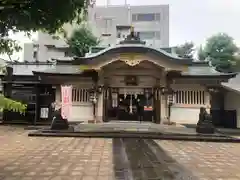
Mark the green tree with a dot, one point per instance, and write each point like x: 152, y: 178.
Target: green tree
x: 220, y: 49
x: 9, y: 104
x: 185, y: 50
x: 33, y: 15
x: 236, y: 63
x: 201, y: 54
x: 81, y: 40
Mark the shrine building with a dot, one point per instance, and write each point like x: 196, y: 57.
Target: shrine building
x: 117, y: 78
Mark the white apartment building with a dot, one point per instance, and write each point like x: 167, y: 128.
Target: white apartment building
x: 111, y: 24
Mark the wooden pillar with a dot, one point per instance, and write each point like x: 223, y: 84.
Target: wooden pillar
x: 7, y: 89
x: 215, y: 105
x: 95, y: 81
x: 169, y: 80
x: 157, y: 105
x: 105, y: 100
x: 157, y: 99
x: 105, y: 103
x: 37, y: 104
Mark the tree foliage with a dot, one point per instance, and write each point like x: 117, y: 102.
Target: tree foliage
x: 185, y: 50
x: 11, y: 105
x: 81, y: 40
x: 236, y: 63
x: 33, y: 15
x: 220, y: 49
x: 201, y: 54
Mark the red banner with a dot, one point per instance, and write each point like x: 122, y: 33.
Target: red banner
x: 66, y: 101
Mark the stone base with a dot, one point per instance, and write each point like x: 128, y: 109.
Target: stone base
x: 205, y: 129
x: 169, y: 123
x: 58, y: 122
x: 94, y: 121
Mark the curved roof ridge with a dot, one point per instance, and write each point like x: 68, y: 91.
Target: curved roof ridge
x: 116, y: 46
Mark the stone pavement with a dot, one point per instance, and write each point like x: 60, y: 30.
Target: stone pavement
x: 25, y: 158
x: 210, y: 161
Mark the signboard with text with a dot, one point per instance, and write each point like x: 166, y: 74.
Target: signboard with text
x: 66, y: 101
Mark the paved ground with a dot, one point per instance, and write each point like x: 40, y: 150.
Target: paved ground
x: 22, y: 157
x: 134, y: 126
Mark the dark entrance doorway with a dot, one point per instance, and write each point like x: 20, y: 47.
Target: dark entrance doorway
x: 128, y: 106
x: 124, y: 104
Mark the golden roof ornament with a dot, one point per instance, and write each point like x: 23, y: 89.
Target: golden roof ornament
x: 132, y: 38
x: 132, y: 29
x: 132, y: 34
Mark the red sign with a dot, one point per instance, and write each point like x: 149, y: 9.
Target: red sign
x: 66, y: 101
x: 148, y: 108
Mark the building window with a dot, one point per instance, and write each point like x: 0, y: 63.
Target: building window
x: 149, y: 35
x: 80, y: 95
x: 146, y: 17
x: 36, y: 45
x: 118, y: 34
x: 106, y: 25
x: 68, y: 54
x: 190, y: 97
x: 157, y: 35
x: 35, y: 54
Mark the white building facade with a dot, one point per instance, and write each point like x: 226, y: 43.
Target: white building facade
x: 110, y: 24
x: 150, y: 21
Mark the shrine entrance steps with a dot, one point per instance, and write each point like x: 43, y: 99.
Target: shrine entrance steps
x: 134, y: 130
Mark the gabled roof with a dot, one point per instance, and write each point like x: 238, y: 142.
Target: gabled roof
x: 27, y: 68
x: 233, y: 84
x: 131, y: 48
x: 193, y: 71
x: 199, y: 69
x: 205, y: 71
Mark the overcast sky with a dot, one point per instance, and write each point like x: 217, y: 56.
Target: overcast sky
x: 195, y: 20
x: 192, y: 20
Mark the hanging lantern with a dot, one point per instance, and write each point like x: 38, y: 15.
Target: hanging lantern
x: 135, y: 95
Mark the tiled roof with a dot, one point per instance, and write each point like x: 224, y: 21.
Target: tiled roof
x: 62, y: 69
x: 27, y: 69
x: 140, y: 47
x: 203, y: 71
x: 192, y: 70
x: 233, y: 83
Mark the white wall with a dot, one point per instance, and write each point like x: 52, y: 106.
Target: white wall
x: 232, y: 102
x: 43, y: 52
x: 28, y: 52
x: 122, y: 15
x: 187, y: 113
x: 80, y: 111
x: 184, y: 115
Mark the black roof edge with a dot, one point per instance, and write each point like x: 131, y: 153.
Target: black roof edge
x: 31, y: 63
x: 83, y: 74
x: 201, y: 62
x: 123, y: 27
x: 55, y: 46
x: 227, y: 75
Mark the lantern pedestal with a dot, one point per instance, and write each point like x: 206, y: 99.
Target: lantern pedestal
x: 58, y: 123
x: 205, y: 124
